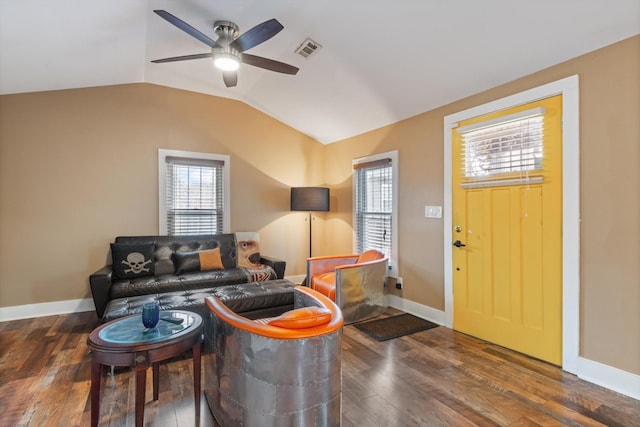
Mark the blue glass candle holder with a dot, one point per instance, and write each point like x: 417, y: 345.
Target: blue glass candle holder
x: 150, y: 314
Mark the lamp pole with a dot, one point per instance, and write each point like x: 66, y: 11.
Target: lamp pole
x: 310, y: 217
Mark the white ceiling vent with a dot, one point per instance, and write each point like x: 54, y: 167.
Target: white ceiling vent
x: 308, y: 48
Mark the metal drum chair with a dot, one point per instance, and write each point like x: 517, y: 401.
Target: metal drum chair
x: 282, y: 371
x: 355, y: 282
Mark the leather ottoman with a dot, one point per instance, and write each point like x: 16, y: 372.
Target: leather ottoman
x: 252, y: 300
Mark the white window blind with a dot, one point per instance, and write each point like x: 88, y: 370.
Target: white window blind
x: 373, y: 202
x: 194, y: 196
x: 505, y: 145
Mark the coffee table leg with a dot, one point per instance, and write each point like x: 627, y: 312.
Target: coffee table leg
x: 156, y: 376
x: 96, y: 371
x: 141, y: 383
x: 196, y: 377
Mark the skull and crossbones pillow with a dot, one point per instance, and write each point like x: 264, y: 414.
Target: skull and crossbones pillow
x: 132, y: 260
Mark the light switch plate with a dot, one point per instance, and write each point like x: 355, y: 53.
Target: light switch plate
x: 433, y: 211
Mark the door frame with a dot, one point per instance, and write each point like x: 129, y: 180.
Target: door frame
x: 569, y: 89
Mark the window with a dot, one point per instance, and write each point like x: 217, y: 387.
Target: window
x: 193, y: 192
x: 375, y: 212
x: 504, y: 145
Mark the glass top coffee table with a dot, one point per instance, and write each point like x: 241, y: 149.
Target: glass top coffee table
x: 126, y: 342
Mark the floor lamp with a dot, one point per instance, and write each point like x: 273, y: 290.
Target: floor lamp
x: 310, y: 199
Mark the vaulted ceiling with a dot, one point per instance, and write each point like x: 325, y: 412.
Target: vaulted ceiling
x: 380, y: 61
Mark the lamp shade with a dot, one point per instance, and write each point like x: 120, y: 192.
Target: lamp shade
x: 309, y: 199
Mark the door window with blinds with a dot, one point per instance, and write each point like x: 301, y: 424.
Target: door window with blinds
x: 194, y: 190
x: 505, y: 147
x: 374, y: 204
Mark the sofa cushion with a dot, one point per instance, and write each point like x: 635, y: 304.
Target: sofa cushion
x: 132, y: 260
x: 172, y: 282
x: 248, y: 249
x: 188, y: 262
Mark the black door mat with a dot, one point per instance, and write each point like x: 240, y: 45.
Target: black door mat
x: 394, y: 327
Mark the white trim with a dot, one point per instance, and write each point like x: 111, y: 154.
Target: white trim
x: 568, y: 88
x: 537, y: 111
x: 609, y: 377
x: 162, y: 184
x: 502, y: 182
x: 29, y: 311
x: 419, y: 310
x: 393, y: 155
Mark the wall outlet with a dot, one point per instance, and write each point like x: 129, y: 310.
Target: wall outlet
x: 399, y: 283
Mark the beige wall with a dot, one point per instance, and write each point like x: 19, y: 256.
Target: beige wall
x: 610, y: 194
x: 79, y: 167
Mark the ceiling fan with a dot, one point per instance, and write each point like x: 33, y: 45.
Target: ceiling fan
x: 228, y: 51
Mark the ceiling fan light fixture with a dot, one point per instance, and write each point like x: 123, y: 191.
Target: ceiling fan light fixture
x: 226, y: 61
x: 227, y: 50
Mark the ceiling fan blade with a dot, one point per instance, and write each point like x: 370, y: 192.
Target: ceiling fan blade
x: 258, y: 34
x: 269, y: 64
x: 183, y: 58
x: 187, y: 28
x: 230, y: 78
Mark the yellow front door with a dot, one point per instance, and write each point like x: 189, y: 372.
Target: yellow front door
x: 507, y: 220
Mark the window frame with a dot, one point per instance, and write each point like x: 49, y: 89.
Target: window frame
x: 162, y: 185
x: 393, y: 155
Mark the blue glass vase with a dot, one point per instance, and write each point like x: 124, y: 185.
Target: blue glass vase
x: 150, y: 314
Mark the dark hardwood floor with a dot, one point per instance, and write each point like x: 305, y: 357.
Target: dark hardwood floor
x: 436, y: 377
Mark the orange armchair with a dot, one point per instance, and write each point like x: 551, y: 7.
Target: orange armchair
x: 355, y: 282
x: 277, y: 371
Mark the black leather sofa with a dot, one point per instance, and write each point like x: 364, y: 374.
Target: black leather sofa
x: 180, y: 271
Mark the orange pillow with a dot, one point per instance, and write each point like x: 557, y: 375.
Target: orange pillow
x: 301, y: 318
x: 187, y: 262
x: 210, y: 259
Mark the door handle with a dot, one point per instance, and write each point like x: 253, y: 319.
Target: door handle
x: 458, y: 244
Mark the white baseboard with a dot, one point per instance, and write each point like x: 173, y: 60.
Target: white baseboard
x: 609, y: 377
x: 27, y: 311
x: 594, y: 372
x: 419, y: 310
